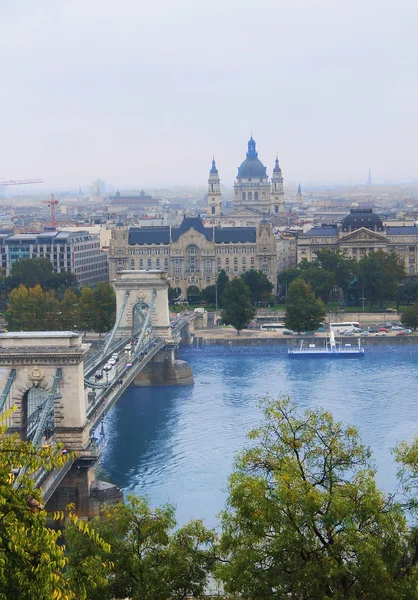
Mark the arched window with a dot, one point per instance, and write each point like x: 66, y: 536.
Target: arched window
x: 166, y: 263
x: 255, y: 195
x: 244, y: 260
x: 192, y: 250
x: 149, y: 264
x: 412, y: 269
x: 243, y: 195
x: 157, y: 263
x: 276, y: 209
x: 252, y: 262
x: 141, y: 263
x: 250, y: 195
x: 213, y: 210
x: 212, y: 187
x: 132, y: 264
x: 227, y: 261
x: 235, y: 261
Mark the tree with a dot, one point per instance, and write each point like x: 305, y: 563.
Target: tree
x: 407, y: 292
x: 410, y: 316
x: 208, y: 295
x: 343, y: 269
x: 68, y: 308
x: 30, y: 272
x: 27, y: 309
x: 304, y: 312
x: 151, y: 561
x: 305, y: 519
x: 259, y: 284
x: 285, y: 278
x: 105, y: 302
x: 237, y: 309
x: 320, y: 280
x: 221, y: 283
x: 86, y: 312
x: 379, y: 275
x: 33, y: 564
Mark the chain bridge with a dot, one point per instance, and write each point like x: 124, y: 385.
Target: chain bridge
x: 61, y: 390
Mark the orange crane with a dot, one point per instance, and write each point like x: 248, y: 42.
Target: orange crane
x: 4, y: 182
x: 52, y: 204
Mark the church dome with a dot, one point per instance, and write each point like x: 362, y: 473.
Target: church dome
x: 362, y: 218
x: 252, y: 166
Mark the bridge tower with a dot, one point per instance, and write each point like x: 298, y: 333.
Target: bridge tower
x: 142, y: 285
x: 30, y: 362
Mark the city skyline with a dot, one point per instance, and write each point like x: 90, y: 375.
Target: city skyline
x: 145, y: 95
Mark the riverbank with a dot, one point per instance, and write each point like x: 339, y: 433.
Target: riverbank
x: 229, y: 337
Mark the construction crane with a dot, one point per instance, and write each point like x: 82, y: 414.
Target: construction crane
x: 52, y: 203
x: 7, y: 182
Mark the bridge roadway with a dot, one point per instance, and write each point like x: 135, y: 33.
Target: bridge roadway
x: 119, y: 379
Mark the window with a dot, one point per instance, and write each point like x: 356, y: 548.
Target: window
x: 219, y: 260
x: 157, y: 263
x: 132, y: 264
x: 244, y: 260
x: 235, y: 261
x: 255, y: 195
x: 213, y: 210
x: 252, y: 262
x: 412, y: 248
x: 243, y: 195
x: 250, y: 196
x: 227, y: 260
x: 207, y: 279
x: 166, y: 263
x: 192, y: 250
x: 149, y: 263
x: 276, y: 209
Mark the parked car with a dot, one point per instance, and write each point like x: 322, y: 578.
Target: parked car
x: 380, y: 333
x: 111, y: 362
x: 321, y: 329
x: 403, y: 332
x: 287, y: 332
x: 115, y: 356
x: 348, y: 333
x: 408, y: 330
x: 364, y: 333
x: 383, y: 329
x: 107, y: 367
x: 397, y: 328
x: 373, y: 330
x: 392, y: 310
x: 98, y: 374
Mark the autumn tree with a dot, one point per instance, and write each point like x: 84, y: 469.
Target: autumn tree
x: 86, y: 310
x: 33, y: 563
x: 152, y: 560
x: 237, y: 309
x: 305, y: 519
x: 69, y: 308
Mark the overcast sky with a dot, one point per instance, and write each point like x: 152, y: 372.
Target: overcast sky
x: 142, y: 92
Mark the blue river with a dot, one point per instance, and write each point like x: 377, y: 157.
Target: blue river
x: 178, y: 444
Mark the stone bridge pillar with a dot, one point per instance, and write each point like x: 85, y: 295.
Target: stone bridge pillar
x: 36, y: 356
x: 141, y: 285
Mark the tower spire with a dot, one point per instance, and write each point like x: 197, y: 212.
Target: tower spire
x: 369, y: 181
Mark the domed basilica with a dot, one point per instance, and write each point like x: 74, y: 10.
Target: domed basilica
x: 255, y: 196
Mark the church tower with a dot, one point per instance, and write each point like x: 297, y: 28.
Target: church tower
x: 214, y: 192
x: 277, y: 193
x: 299, y: 195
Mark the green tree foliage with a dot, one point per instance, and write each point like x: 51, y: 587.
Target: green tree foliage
x: 38, y: 271
x: 379, y: 274
x: 304, y: 312
x: 320, y: 280
x: 408, y: 292
x: 285, y: 278
x: 105, y: 302
x: 305, y: 519
x: 151, y: 560
x: 410, y: 316
x: 259, y: 285
x: 35, y: 309
x: 221, y: 282
x: 237, y: 309
x: 33, y: 564
x: 342, y: 268
x: 208, y: 295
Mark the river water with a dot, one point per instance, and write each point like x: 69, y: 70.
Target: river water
x: 177, y: 445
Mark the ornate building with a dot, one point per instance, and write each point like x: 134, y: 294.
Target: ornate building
x: 256, y: 197
x: 193, y: 254
x: 359, y: 233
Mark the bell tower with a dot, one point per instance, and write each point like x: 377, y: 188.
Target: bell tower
x: 214, y: 193
x: 277, y: 193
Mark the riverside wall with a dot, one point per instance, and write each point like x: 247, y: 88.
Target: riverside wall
x: 199, y: 341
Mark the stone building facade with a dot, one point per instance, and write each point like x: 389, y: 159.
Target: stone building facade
x: 255, y: 196
x: 359, y: 233
x: 193, y: 254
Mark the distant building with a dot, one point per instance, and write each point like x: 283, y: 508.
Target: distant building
x: 142, y: 204
x: 359, y: 233
x: 255, y: 196
x: 77, y: 252
x: 193, y: 254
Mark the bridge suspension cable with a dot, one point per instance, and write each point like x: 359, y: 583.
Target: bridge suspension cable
x: 145, y: 325
x: 116, y: 325
x: 6, y: 391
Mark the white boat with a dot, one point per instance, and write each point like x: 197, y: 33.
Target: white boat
x: 331, y: 348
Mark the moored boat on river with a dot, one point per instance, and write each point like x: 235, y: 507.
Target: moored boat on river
x: 330, y: 349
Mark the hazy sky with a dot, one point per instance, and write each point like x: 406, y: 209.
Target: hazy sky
x: 142, y: 92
